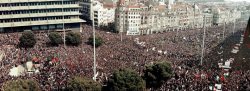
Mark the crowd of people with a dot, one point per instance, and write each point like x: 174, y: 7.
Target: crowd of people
x: 181, y: 48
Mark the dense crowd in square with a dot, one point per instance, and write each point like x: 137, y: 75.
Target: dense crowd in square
x: 181, y: 48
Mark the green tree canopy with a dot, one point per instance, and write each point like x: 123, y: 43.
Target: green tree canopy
x: 83, y: 84
x: 126, y: 80
x: 73, y: 38
x: 55, y: 38
x: 156, y: 74
x: 21, y: 85
x: 27, y: 40
x: 98, y: 41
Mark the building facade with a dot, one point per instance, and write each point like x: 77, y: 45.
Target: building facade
x: 19, y: 15
x: 148, y: 18
x: 128, y: 17
x: 86, y: 8
x: 135, y: 19
x: 223, y: 15
x: 103, y: 11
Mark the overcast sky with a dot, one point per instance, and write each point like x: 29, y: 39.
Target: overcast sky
x: 239, y: 0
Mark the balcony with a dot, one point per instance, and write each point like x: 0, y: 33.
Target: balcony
x: 39, y: 7
x: 44, y: 22
x: 38, y: 15
x: 15, y: 1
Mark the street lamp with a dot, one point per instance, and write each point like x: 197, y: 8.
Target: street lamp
x: 93, y: 26
x: 64, y: 41
x: 203, y: 40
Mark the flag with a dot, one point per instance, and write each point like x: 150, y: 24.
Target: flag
x: 55, y: 58
x: 35, y: 59
x: 222, y: 78
x: 197, y: 76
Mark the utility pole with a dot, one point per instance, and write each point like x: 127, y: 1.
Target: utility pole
x: 93, y: 27
x: 203, y: 40
x: 224, y: 28
x: 123, y: 24
x: 234, y: 26
x: 194, y: 16
x: 64, y: 41
x: 123, y: 17
x: 47, y: 18
x: 12, y: 21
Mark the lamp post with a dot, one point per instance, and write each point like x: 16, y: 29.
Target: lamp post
x: 224, y: 28
x: 64, y: 41
x: 93, y: 27
x: 234, y: 26
x: 203, y: 40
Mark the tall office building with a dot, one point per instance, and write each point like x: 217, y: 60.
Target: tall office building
x: 19, y: 15
x: 86, y: 9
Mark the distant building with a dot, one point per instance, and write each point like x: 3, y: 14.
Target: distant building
x: 19, y: 15
x: 223, y: 15
x: 157, y: 16
x: 202, y: 1
x: 135, y: 19
x: 127, y: 18
x: 104, y: 11
x: 86, y: 8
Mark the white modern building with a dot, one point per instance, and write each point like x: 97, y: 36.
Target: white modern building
x: 104, y: 11
x: 104, y: 14
x: 19, y: 15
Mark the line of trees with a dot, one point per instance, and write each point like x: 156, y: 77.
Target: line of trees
x: 121, y: 80
x: 28, y: 40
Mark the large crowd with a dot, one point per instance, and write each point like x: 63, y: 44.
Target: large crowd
x: 181, y: 48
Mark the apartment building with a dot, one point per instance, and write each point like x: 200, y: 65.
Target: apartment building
x: 223, y: 15
x: 127, y: 17
x: 159, y: 16
x: 103, y: 11
x: 19, y: 15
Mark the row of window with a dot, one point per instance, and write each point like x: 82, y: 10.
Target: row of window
x: 87, y: 1
x: 129, y: 16
x: 37, y: 3
x: 37, y: 19
x: 36, y: 11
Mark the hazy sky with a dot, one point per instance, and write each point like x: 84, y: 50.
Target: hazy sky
x: 239, y: 0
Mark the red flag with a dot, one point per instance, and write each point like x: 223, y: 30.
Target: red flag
x: 54, y: 60
x: 35, y: 59
x: 222, y: 78
x: 197, y: 76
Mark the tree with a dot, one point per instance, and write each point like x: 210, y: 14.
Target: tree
x: 125, y: 80
x: 27, y: 40
x: 73, y: 38
x: 21, y: 85
x: 83, y: 84
x: 55, y: 38
x: 98, y: 41
x: 111, y: 27
x: 156, y: 74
